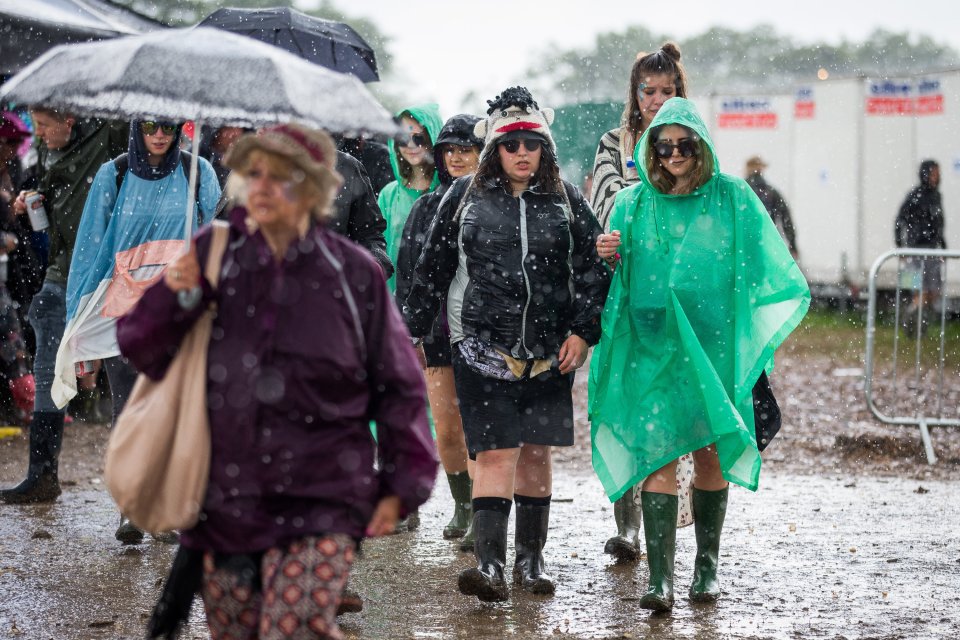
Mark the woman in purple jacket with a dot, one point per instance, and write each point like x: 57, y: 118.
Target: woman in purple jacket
x: 307, y: 348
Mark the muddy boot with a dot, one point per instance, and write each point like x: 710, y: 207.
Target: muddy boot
x: 625, y: 546
x: 166, y: 537
x: 410, y: 523
x: 127, y: 533
x: 709, y: 509
x: 660, y: 531
x: 86, y: 407
x: 468, y: 539
x: 41, y: 483
x: 533, y: 518
x: 350, y: 601
x: 460, y: 489
x: 487, y: 581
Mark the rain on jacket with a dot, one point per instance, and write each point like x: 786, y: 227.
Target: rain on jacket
x: 521, y: 273
x: 355, y: 211
x: 67, y: 180
x: 125, y: 239
x: 396, y: 200
x: 705, y: 292
x: 920, y: 220
x: 296, y: 373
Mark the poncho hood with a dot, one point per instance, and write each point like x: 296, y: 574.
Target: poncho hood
x: 675, y: 111
x: 428, y: 115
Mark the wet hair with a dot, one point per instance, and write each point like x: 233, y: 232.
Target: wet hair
x: 547, y: 176
x: 513, y: 97
x: 663, y: 180
x: 56, y: 114
x: 665, y: 61
x: 404, y: 167
x: 323, y: 189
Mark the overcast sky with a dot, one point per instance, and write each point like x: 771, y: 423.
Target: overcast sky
x: 445, y: 48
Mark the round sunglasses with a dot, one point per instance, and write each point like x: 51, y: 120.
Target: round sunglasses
x: 512, y: 146
x: 688, y: 147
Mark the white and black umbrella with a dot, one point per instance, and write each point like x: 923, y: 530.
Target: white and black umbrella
x: 201, y: 74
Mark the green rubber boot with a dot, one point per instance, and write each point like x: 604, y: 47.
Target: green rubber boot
x: 461, y: 489
x: 625, y: 546
x: 709, y: 509
x: 660, y: 530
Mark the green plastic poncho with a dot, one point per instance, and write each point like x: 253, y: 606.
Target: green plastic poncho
x: 704, y: 294
x: 395, y: 199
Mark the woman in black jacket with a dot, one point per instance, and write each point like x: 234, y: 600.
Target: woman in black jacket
x: 511, y: 252
x: 456, y: 154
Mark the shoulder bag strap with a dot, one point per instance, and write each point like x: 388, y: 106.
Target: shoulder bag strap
x: 218, y: 244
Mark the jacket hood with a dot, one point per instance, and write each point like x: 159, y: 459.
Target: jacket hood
x: 137, y: 155
x: 926, y: 168
x: 428, y: 115
x: 457, y: 130
x: 675, y: 111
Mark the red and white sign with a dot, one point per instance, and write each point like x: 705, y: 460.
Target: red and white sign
x: 747, y: 113
x: 804, y: 105
x: 923, y: 96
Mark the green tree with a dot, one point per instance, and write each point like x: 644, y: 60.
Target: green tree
x: 723, y: 59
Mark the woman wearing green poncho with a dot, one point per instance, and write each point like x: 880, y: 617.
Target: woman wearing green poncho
x: 703, y: 294
x: 414, y: 171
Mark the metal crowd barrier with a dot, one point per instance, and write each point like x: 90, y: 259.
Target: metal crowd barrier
x: 926, y: 409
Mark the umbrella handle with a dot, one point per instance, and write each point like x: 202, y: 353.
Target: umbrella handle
x: 192, y: 182
x: 189, y: 298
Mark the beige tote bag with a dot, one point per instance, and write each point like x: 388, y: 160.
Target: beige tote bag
x: 158, y: 456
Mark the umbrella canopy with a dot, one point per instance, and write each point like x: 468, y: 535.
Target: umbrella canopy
x: 333, y: 45
x: 28, y: 29
x: 197, y: 74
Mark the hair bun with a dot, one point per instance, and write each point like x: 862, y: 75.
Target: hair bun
x: 672, y: 50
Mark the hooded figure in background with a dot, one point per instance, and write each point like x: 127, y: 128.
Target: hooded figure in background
x: 703, y: 294
x: 456, y: 154
x: 414, y: 171
x: 920, y: 225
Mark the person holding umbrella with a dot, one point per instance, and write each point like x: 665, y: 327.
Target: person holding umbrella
x: 511, y: 251
x: 131, y: 228
x: 308, y: 347
x: 413, y: 169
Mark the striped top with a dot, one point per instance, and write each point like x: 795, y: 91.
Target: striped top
x: 611, y: 173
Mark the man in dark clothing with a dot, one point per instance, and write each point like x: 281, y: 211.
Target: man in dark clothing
x: 920, y: 225
x: 772, y: 201
x: 356, y: 214
x: 69, y: 153
x: 375, y: 158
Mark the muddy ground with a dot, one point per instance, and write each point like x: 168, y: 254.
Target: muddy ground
x: 851, y: 535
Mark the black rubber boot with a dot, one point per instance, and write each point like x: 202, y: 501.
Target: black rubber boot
x: 127, y: 532
x: 460, y: 489
x: 660, y: 530
x: 41, y: 483
x: 625, y: 546
x: 529, y: 539
x: 468, y: 539
x: 709, y: 510
x: 487, y: 581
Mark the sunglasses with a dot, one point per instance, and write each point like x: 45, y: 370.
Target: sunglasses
x: 687, y: 148
x: 149, y: 127
x: 512, y: 146
x: 419, y: 140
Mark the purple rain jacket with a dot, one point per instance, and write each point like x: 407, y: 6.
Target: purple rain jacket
x: 292, y: 388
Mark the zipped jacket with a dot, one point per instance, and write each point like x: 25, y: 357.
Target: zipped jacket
x: 521, y: 273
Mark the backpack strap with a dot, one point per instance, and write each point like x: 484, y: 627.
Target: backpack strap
x: 122, y: 163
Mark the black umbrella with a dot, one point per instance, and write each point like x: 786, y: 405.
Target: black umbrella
x: 330, y: 44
